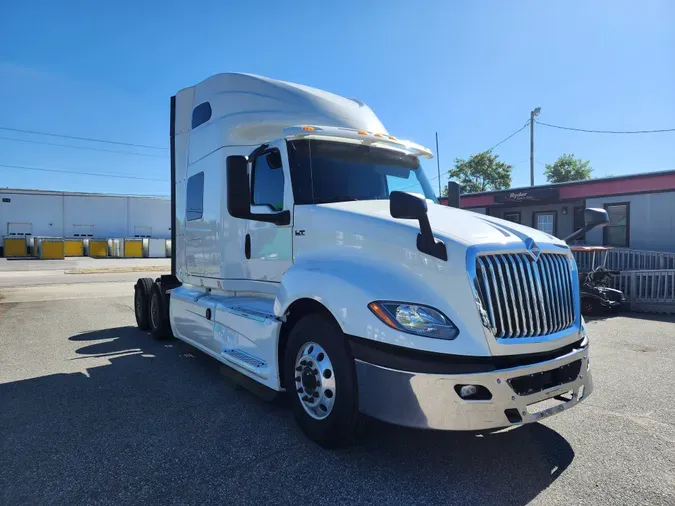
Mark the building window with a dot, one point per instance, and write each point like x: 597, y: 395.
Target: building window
x: 194, y: 201
x: 617, y: 231
x: 514, y: 217
x: 201, y: 114
x: 268, y: 181
x: 545, y: 222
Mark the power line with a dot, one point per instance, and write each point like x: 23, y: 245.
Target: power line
x: 514, y: 133
x: 83, y: 147
x: 493, y: 147
x: 41, y: 169
x: 80, y: 138
x: 607, y: 131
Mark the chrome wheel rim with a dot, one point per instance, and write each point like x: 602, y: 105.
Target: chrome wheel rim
x: 315, y: 381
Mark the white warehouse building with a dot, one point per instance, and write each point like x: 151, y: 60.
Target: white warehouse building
x: 67, y: 214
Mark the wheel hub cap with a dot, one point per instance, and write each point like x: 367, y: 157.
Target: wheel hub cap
x: 315, y: 380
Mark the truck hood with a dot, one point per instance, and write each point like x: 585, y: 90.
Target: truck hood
x: 464, y: 227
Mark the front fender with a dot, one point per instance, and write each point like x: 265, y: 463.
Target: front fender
x: 345, y: 286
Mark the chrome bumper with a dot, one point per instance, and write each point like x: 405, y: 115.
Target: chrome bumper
x: 430, y: 401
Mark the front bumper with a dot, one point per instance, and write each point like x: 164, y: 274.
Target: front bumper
x: 431, y: 401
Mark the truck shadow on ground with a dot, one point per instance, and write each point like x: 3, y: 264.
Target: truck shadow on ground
x: 156, y: 422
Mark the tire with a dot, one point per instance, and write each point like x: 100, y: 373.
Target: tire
x: 142, y: 302
x: 340, y: 423
x: 589, y: 307
x: 159, y: 313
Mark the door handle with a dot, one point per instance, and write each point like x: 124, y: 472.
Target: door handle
x: 247, y: 246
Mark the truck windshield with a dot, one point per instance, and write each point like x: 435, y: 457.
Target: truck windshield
x: 328, y: 171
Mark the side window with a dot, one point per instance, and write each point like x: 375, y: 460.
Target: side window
x: 268, y: 181
x: 545, y: 221
x: 201, y: 114
x: 616, y: 233
x: 194, y: 202
x: 514, y: 217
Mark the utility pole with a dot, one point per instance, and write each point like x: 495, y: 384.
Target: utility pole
x: 532, y: 116
x: 438, y: 166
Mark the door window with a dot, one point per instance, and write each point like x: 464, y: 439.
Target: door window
x: 268, y: 181
x: 617, y: 230
x: 545, y: 222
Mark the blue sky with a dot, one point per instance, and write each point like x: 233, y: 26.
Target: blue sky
x: 470, y: 70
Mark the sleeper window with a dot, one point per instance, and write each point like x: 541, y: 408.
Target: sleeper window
x: 201, y: 114
x: 194, y: 202
x: 268, y: 181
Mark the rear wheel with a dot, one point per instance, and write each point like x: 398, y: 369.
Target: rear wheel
x: 142, y: 302
x: 159, y: 313
x: 320, y: 379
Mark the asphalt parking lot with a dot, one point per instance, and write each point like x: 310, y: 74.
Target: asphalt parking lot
x: 93, y: 411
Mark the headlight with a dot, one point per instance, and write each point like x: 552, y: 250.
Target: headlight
x: 415, y: 319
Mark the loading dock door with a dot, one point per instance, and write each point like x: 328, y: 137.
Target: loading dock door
x: 142, y: 231
x: 19, y: 229
x: 83, y: 230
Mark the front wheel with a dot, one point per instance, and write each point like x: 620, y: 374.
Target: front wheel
x: 320, y: 379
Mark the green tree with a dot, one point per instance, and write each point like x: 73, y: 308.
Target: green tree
x: 481, y: 172
x: 567, y: 168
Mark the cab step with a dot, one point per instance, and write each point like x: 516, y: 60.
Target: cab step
x: 246, y: 361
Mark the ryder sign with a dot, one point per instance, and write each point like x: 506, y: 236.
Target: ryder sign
x: 541, y: 196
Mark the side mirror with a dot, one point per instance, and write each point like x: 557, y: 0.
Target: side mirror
x: 238, y: 191
x: 595, y: 217
x: 592, y: 218
x: 453, y: 194
x: 239, y: 194
x: 405, y: 206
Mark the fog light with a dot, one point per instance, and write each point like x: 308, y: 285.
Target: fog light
x: 467, y: 391
x: 581, y: 392
x: 473, y: 392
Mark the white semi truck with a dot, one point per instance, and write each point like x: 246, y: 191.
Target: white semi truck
x: 311, y: 255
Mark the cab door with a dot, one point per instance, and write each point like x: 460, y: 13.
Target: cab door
x: 268, y: 246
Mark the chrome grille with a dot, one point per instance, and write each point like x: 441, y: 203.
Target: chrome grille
x: 523, y: 297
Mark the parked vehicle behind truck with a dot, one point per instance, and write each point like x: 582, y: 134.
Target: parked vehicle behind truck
x: 310, y: 254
